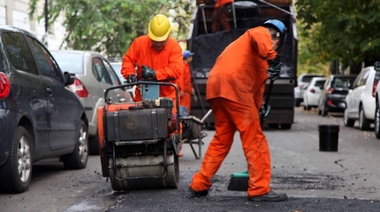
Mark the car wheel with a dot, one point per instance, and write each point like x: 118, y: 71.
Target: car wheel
x: 298, y: 102
x: 347, y: 121
x: 16, y: 173
x: 377, y: 122
x: 324, y: 112
x: 93, y: 145
x: 364, y: 123
x: 78, y: 158
x: 286, y: 126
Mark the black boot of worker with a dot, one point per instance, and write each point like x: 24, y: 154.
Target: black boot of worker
x: 197, y: 193
x: 271, y: 196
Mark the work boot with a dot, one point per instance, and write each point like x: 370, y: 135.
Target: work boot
x: 271, y: 196
x: 197, y: 193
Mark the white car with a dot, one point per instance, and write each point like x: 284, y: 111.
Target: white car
x: 313, y: 92
x: 303, y: 81
x: 360, y: 101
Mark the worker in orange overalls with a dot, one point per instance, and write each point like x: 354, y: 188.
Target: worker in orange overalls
x: 235, y: 90
x: 220, y: 15
x: 186, y: 88
x: 154, y: 56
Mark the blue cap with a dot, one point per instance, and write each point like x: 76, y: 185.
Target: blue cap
x: 277, y: 24
x: 187, y: 54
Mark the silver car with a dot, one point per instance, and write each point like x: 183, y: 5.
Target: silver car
x: 93, y: 74
x: 117, y: 67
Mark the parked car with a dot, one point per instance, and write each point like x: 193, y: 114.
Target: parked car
x: 360, y: 101
x: 117, y: 67
x: 303, y: 81
x: 377, y: 103
x: 39, y: 116
x: 334, y: 93
x: 93, y: 74
x: 313, y: 92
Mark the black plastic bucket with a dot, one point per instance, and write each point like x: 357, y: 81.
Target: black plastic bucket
x: 328, y: 138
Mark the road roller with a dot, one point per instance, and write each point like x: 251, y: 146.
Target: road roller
x: 139, y: 141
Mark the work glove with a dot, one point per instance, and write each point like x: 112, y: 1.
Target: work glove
x: 148, y: 73
x: 274, y: 70
x: 264, y: 111
x: 131, y: 78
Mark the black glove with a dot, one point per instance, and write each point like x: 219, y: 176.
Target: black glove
x: 148, y: 73
x: 131, y: 78
x: 264, y: 111
x: 274, y: 70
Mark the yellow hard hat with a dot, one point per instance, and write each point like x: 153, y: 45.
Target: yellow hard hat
x: 159, y: 28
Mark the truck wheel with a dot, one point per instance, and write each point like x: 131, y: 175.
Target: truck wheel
x: 16, y: 173
x: 78, y: 158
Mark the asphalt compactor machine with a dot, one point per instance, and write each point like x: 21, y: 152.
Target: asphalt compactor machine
x: 140, y: 141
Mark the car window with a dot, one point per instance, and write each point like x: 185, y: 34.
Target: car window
x: 45, y: 62
x: 70, y: 62
x: 18, y: 52
x: 112, y: 74
x: 342, y: 82
x: 100, y: 71
x: 361, y: 79
x: 319, y: 83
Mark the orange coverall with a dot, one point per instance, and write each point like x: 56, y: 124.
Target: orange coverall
x: 219, y: 17
x: 235, y: 89
x: 186, y: 87
x: 168, y: 63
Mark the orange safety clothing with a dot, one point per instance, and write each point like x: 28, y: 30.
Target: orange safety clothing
x: 220, y: 16
x: 167, y: 63
x: 186, y: 87
x: 235, y: 90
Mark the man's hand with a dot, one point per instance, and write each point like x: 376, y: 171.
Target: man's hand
x: 274, y: 70
x: 148, y: 73
x: 131, y: 78
x: 264, y: 112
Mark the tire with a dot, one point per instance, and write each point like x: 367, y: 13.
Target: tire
x: 273, y: 126
x: 377, y: 122
x: 364, y: 123
x: 19, y: 161
x: 347, y: 121
x: 298, y: 102
x: 93, y: 145
x: 324, y: 112
x: 286, y: 126
x: 78, y: 158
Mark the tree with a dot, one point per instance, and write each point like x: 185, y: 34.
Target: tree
x: 342, y: 30
x: 107, y: 26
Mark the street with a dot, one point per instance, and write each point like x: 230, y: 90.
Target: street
x: 345, y: 180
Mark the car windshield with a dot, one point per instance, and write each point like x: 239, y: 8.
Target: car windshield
x: 342, y: 82
x: 70, y: 62
x: 307, y: 78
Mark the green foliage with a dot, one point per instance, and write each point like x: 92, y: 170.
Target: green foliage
x: 107, y: 26
x: 341, y: 30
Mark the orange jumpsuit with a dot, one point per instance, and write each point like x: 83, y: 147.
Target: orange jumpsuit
x: 219, y: 17
x: 167, y: 63
x: 186, y: 87
x: 235, y: 90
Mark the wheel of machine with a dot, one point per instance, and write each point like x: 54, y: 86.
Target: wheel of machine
x: 286, y: 126
x: 146, y: 171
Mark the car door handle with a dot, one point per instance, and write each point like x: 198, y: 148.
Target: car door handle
x: 49, y: 91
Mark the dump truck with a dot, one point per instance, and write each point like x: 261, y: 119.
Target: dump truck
x: 207, y: 45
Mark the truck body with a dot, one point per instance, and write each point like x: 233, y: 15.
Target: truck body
x: 207, y: 46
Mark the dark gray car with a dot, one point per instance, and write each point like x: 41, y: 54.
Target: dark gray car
x: 39, y: 116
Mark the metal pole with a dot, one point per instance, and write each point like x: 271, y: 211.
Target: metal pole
x: 234, y: 13
x: 202, y: 6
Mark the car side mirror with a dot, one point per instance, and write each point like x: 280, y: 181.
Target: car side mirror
x: 68, y: 78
